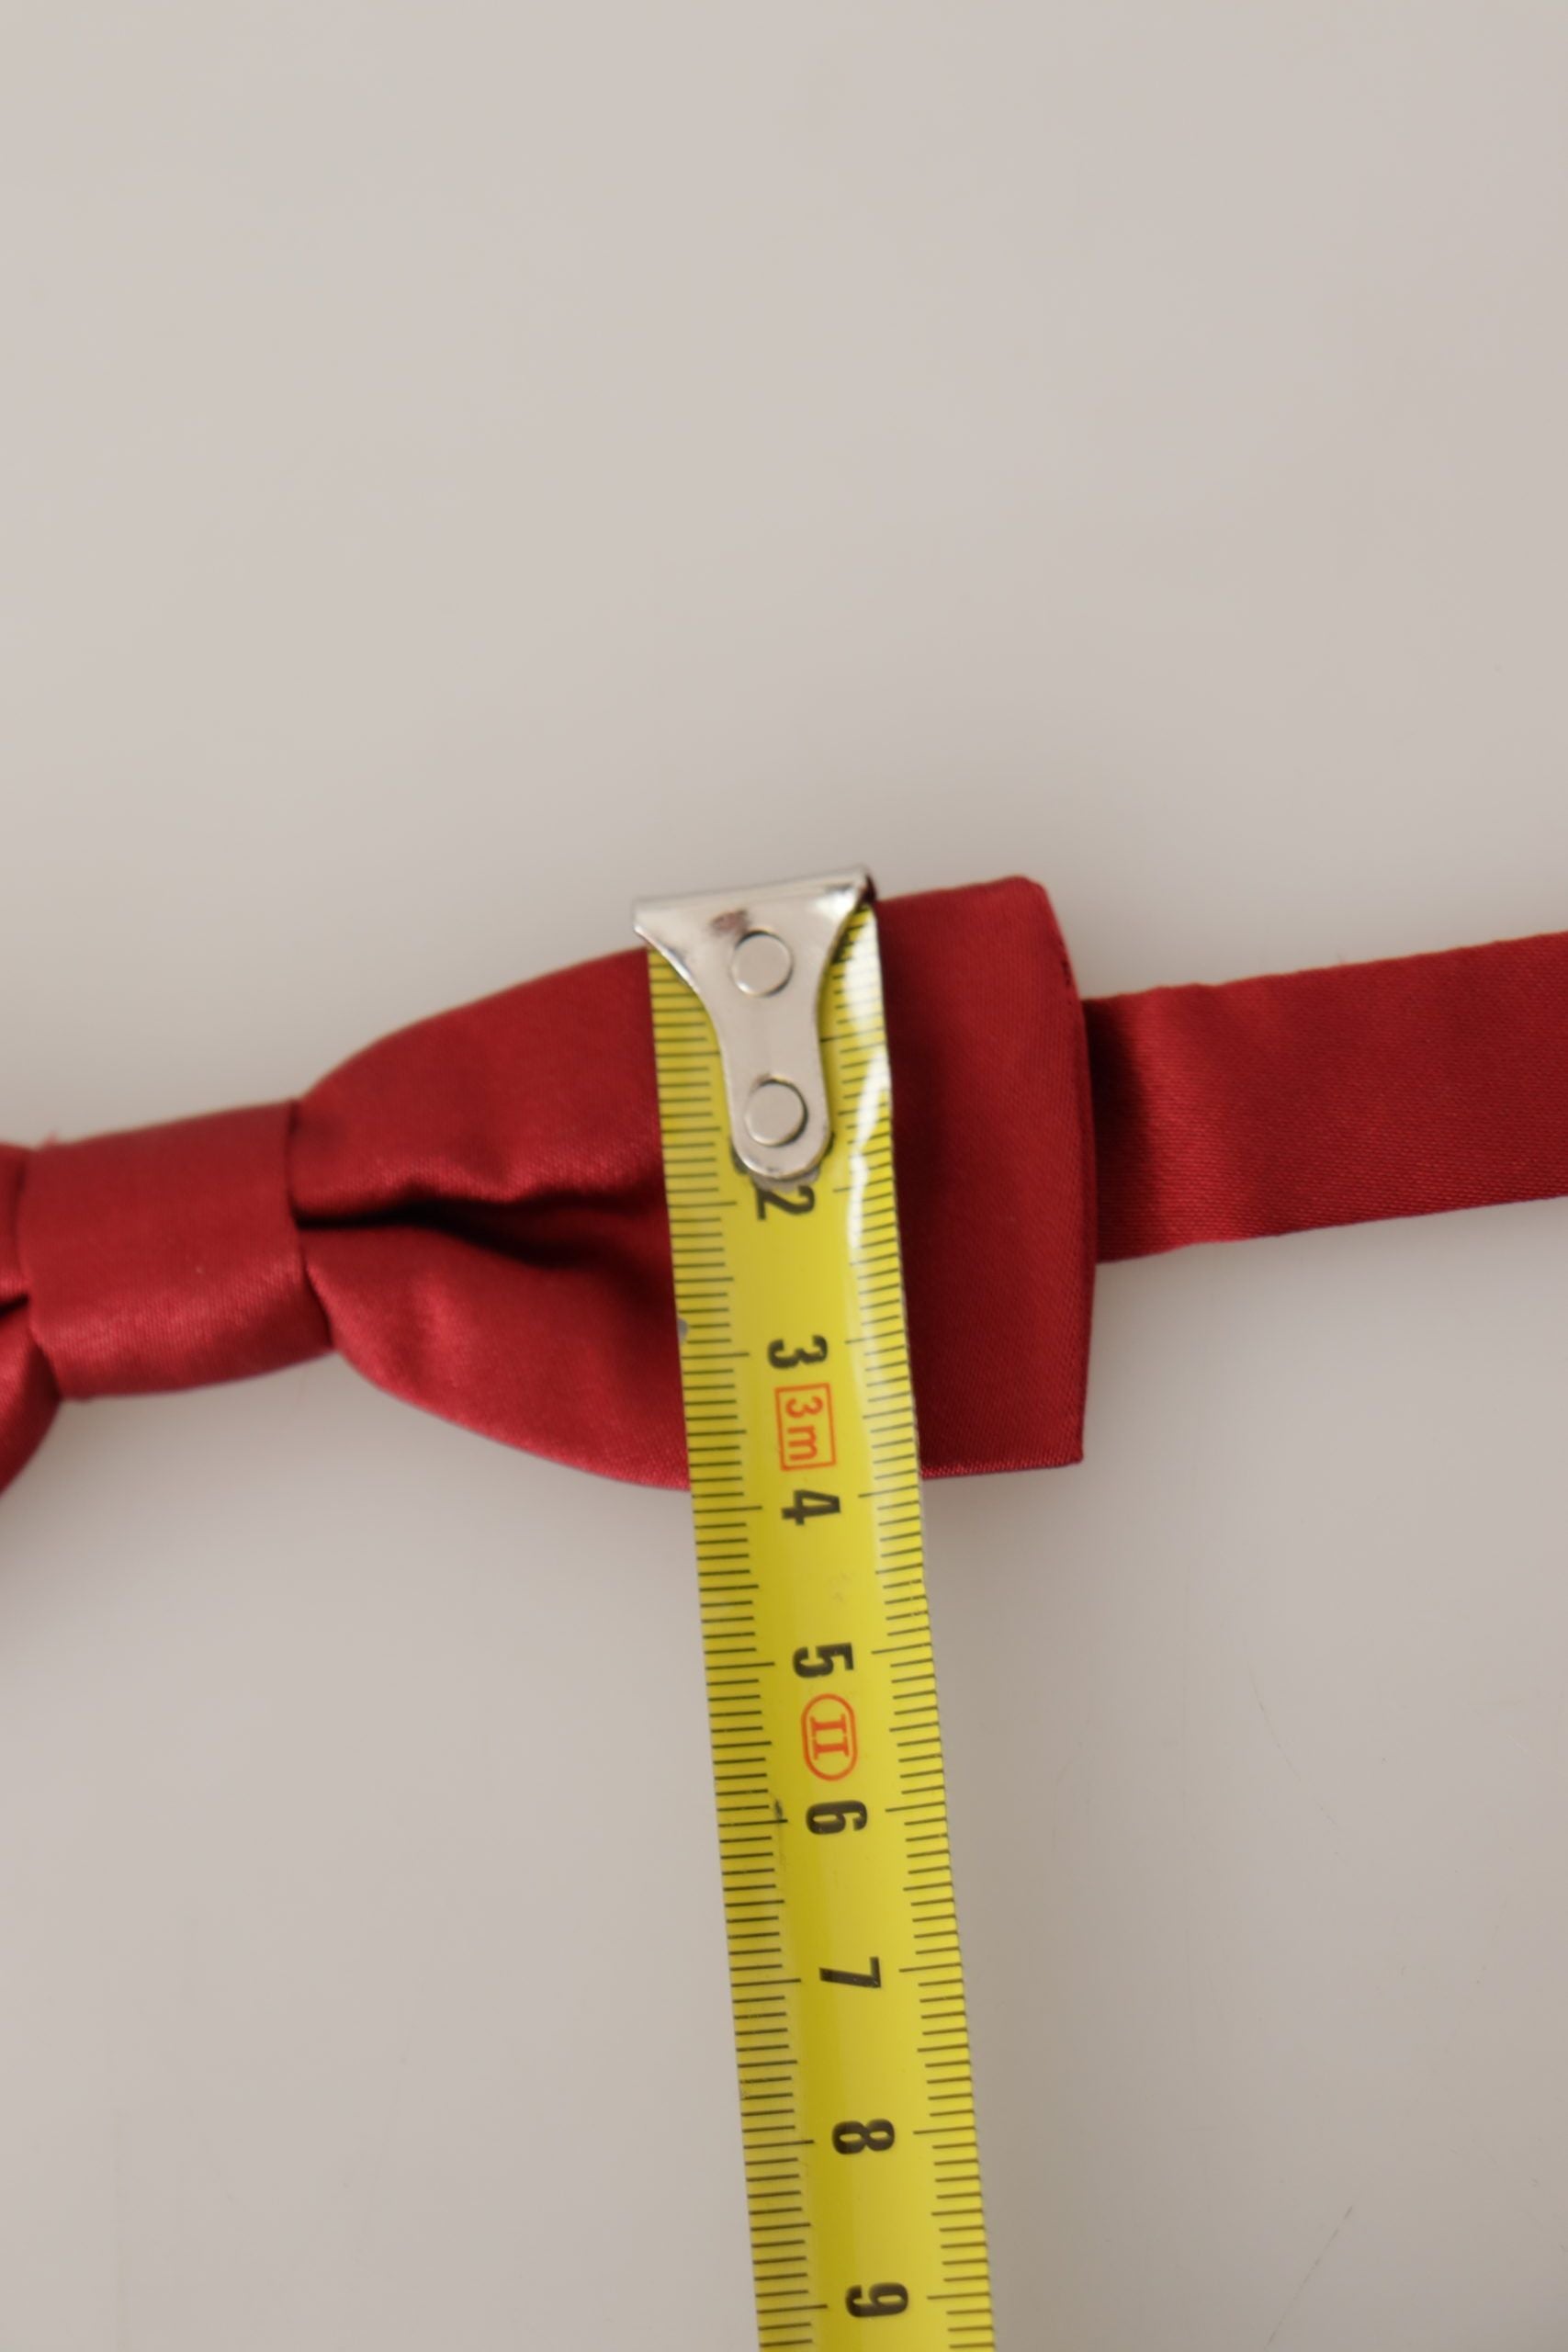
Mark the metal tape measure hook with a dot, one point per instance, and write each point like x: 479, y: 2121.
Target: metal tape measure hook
x: 757, y: 959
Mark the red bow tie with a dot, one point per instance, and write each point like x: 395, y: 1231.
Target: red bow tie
x: 472, y: 1211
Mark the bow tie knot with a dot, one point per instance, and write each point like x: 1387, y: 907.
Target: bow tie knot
x: 167, y: 1257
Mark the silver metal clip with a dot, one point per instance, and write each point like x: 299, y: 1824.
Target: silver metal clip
x: 757, y: 959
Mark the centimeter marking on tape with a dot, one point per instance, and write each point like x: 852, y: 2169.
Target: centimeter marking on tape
x: 857, y: 2102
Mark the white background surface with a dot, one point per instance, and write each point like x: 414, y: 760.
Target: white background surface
x: 462, y: 468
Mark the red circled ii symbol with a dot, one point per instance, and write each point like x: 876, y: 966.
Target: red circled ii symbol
x: 830, y: 1738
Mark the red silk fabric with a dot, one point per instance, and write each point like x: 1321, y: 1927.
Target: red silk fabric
x: 471, y: 1211
x: 1394, y: 1089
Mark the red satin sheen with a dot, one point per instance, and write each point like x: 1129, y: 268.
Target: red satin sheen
x: 1394, y: 1088
x: 472, y: 1211
x: 167, y: 1257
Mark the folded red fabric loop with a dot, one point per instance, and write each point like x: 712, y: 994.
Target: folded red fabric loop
x: 167, y: 1257
x: 472, y: 1211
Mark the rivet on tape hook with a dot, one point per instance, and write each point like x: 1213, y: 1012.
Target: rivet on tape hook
x: 757, y: 959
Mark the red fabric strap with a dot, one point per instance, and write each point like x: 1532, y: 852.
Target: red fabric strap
x: 472, y: 1211
x: 1394, y: 1088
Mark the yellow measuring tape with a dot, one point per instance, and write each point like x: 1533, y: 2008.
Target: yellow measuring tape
x: 857, y: 2103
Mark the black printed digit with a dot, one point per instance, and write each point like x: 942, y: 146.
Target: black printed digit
x: 800, y: 1204
x: 883, y: 2301
x: 785, y: 1359
x: 809, y: 1504
x: 809, y: 1663
x: 832, y: 1820
x: 869, y: 1980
